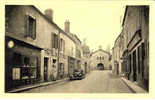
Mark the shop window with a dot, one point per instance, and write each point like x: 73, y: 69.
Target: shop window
x: 26, y: 61
x: 17, y: 59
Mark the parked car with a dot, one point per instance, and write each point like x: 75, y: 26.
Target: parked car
x: 77, y: 75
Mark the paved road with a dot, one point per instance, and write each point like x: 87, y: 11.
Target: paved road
x: 95, y: 82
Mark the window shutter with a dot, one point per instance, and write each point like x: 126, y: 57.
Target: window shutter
x: 52, y: 40
x: 57, y: 41
x: 63, y: 46
x: 34, y: 30
x: 26, y: 26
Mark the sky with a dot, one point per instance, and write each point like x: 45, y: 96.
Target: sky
x: 99, y: 22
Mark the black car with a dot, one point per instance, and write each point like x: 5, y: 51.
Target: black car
x: 77, y: 75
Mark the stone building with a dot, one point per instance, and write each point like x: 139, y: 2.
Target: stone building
x: 31, y: 49
x: 37, y: 50
x: 67, y: 54
x: 134, y: 45
x: 136, y: 27
x: 76, y: 47
x: 100, y: 59
x: 85, y: 58
x: 116, y: 52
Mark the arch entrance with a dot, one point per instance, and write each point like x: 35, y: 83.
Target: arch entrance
x: 100, y: 66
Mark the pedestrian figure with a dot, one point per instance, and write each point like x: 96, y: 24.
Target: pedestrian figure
x: 53, y: 73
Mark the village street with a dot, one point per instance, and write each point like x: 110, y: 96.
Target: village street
x: 43, y: 51
x: 98, y: 81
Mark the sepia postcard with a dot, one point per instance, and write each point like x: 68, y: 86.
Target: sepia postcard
x: 77, y: 48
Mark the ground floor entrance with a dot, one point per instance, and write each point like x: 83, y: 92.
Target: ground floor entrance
x: 45, y: 69
x: 100, y: 66
x: 22, y: 64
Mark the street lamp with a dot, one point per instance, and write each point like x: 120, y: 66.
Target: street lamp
x: 10, y: 44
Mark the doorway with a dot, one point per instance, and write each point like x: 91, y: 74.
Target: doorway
x: 134, y: 67
x: 100, y: 66
x: 45, y: 69
x: 85, y: 67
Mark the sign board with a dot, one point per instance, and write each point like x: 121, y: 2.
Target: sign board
x: 16, y: 73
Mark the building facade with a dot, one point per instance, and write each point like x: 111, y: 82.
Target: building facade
x: 134, y: 45
x: 36, y: 49
x: 100, y: 59
x: 74, y: 60
x: 137, y: 43
x: 85, y: 58
x: 117, y: 63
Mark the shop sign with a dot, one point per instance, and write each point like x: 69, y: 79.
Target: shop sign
x: 16, y: 73
x: 134, y: 41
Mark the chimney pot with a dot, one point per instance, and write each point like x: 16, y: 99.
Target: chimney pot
x: 67, y: 26
x: 49, y: 14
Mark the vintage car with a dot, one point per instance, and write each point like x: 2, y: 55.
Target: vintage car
x: 77, y: 75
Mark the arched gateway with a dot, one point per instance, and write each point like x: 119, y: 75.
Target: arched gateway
x: 100, y: 60
x: 100, y: 66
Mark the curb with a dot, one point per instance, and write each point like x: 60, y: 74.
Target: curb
x: 35, y: 86
x: 133, y: 87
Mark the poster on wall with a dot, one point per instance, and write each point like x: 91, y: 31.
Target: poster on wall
x: 16, y: 73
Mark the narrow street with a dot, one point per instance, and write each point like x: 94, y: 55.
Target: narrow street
x: 98, y: 81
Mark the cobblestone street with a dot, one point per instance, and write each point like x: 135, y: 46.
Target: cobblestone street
x: 95, y: 82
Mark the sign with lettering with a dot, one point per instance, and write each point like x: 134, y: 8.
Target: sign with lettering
x: 136, y: 38
x: 16, y: 73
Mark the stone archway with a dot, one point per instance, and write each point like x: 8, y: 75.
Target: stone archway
x: 100, y: 66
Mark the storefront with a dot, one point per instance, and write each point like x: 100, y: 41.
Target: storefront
x: 22, y: 63
x: 137, y: 59
x: 125, y: 67
x: 71, y: 65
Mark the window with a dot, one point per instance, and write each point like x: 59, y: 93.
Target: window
x: 62, y: 45
x: 72, y: 51
x: 26, y: 60
x: 78, y: 53
x: 31, y: 27
x: 102, y: 58
x: 54, y: 41
x: 17, y: 59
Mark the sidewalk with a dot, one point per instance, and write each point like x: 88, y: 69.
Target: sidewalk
x: 133, y: 87
x: 27, y: 87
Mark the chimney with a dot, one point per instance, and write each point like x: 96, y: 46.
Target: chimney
x: 67, y: 26
x: 49, y: 14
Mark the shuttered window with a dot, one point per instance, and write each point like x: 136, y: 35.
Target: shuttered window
x: 54, y: 41
x: 30, y: 27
